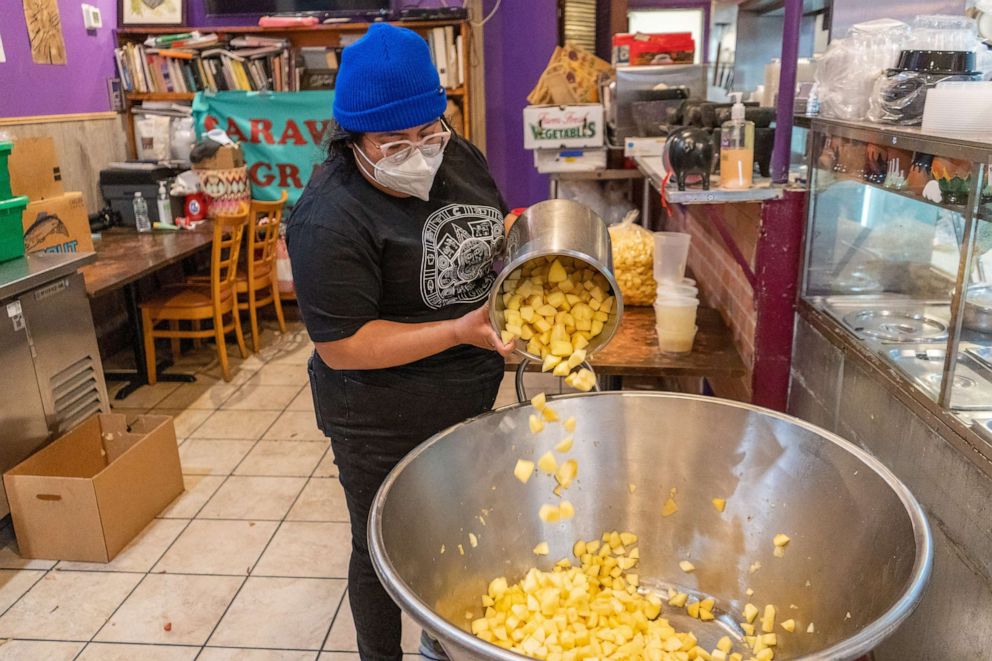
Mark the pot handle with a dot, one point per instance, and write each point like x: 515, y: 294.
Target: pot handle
x: 522, y: 369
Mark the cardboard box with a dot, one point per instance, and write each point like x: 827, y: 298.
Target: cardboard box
x: 635, y: 146
x: 561, y: 127
x: 85, y: 496
x: 34, y: 169
x: 58, y: 224
x: 643, y: 49
x: 227, y: 157
x: 569, y: 160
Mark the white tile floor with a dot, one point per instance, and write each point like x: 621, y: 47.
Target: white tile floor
x: 250, y: 563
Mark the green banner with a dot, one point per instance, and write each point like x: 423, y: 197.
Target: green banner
x: 281, y: 134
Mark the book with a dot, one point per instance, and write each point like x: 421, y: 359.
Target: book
x: 452, y: 56
x: 460, y: 54
x: 440, y: 55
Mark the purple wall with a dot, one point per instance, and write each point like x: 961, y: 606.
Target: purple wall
x: 45, y: 89
x: 519, y: 41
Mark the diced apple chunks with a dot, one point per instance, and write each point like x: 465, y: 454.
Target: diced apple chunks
x: 768, y: 619
x: 557, y: 272
x: 536, y: 424
x: 542, y: 549
x: 669, y: 508
x: 565, y: 445
x: 567, y: 473
x: 523, y: 470
x: 549, y: 513
x: 687, y: 566
x: 547, y: 463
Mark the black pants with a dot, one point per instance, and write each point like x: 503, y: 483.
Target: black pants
x: 371, y: 429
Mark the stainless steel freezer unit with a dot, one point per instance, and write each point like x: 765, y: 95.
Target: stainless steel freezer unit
x: 49, y: 360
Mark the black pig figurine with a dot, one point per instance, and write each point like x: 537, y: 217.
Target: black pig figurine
x: 690, y: 151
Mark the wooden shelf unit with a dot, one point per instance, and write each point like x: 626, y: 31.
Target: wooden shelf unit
x: 317, y: 35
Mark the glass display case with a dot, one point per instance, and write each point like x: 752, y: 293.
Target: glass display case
x: 899, y: 255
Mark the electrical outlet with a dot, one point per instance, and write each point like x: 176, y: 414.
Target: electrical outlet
x: 92, y: 18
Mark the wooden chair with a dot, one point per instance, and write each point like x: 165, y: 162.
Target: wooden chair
x: 260, y: 276
x: 195, y: 302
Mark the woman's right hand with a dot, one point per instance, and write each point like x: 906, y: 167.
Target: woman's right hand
x: 475, y: 329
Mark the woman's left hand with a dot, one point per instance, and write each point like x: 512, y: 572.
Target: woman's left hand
x: 475, y: 329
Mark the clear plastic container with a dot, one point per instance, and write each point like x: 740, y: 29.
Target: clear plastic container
x: 675, y: 315
x: 670, y: 290
x: 677, y: 342
x: 671, y: 252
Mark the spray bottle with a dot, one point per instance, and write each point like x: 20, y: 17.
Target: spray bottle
x: 737, y: 148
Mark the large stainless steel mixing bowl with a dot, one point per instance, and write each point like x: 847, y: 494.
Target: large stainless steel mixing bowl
x: 858, y: 536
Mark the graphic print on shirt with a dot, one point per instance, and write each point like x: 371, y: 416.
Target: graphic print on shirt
x: 460, y: 241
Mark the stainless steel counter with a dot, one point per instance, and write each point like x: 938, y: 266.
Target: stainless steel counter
x: 20, y: 275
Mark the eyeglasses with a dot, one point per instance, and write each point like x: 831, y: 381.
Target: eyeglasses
x: 398, y: 151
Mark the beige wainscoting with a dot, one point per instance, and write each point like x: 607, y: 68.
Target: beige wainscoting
x: 85, y: 144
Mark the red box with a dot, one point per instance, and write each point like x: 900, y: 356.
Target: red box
x: 652, y: 49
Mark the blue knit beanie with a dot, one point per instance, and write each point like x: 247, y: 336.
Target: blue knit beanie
x: 387, y: 82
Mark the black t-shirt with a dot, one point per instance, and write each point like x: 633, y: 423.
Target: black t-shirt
x: 359, y: 254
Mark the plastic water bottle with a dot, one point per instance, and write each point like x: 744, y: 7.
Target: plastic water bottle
x: 141, y: 219
x: 164, y: 205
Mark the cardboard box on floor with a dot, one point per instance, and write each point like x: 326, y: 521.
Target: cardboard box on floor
x: 57, y: 224
x: 34, y: 169
x: 85, y: 496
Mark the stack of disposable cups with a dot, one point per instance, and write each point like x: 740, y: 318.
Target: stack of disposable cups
x: 677, y: 297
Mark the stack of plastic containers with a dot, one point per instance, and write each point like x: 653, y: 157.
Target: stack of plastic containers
x: 11, y: 210
x: 677, y: 297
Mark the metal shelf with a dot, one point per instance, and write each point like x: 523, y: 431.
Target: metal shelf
x: 653, y: 168
x: 958, y: 209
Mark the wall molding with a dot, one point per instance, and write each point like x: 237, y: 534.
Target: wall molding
x: 53, y: 119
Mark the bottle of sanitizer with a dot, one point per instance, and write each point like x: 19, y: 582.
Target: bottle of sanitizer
x: 737, y: 149
x: 164, y: 205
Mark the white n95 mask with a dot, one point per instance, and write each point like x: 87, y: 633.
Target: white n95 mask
x: 414, y: 176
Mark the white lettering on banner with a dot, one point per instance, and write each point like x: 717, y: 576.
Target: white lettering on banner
x: 460, y: 241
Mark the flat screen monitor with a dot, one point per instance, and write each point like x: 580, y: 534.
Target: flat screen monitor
x: 329, y: 7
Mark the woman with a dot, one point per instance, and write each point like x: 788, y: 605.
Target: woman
x: 391, y: 245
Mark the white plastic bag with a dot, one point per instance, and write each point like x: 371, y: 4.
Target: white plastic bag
x: 848, y: 70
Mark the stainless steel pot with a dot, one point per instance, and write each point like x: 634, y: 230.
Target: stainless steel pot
x: 558, y: 227
x: 859, y: 558
x: 978, y: 308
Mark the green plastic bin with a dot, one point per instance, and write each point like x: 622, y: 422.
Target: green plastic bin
x: 11, y: 229
x: 5, y: 149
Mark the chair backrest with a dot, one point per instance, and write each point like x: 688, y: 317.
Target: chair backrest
x: 228, y: 231
x: 262, y: 238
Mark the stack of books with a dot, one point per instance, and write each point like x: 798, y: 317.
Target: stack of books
x: 204, y: 62
x: 447, y: 53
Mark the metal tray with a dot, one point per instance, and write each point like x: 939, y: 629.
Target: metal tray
x: 896, y: 326
x: 925, y: 366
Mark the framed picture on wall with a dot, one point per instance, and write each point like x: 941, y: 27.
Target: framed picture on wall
x: 150, y: 13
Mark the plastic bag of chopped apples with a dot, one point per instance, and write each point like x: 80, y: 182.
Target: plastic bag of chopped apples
x: 633, y: 261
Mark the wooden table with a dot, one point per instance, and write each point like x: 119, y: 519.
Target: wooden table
x: 633, y: 351
x: 123, y: 257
